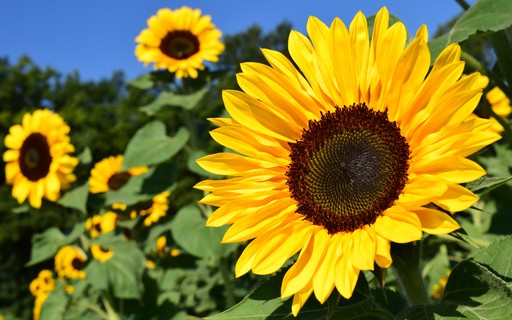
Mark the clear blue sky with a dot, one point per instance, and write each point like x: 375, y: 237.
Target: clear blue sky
x: 96, y: 37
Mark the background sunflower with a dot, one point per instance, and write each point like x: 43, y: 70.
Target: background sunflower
x: 38, y: 164
x: 179, y: 40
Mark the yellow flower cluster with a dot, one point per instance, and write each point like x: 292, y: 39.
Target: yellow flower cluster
x: 40, y: 287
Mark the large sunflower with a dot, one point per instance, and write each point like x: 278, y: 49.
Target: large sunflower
x: 107, y: 175
x: 38, y: 163
x: 179, y: 40
x: 359, y: 147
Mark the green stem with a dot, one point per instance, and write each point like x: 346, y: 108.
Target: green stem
x: 94, y: 308
x: 112, y: 314
x: 463, y: 4
x: 332, y: 304
x: 406, y: 259
x: 503, y: 50
x: 228, y: 282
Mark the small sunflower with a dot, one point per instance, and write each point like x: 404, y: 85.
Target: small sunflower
x: 38, y: 164
x: 160, y: 245
x: 500, y: 104
x: 106, y: 174
x: 69, y: 262
x: 438, y: 288
x: 179, y: 40
x: 101, y: 254
x: 44, y: 283
x: 355, y: 144
x: 40, y: 287
x: 157, y: 208
x: 100, y: 224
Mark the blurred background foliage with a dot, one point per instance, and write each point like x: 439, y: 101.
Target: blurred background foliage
x: 103, y: 116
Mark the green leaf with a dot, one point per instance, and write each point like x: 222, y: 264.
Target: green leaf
x: 170, y: 99
x: 54, y: 307
x: 150, y: 145
x: 76, y: 198
x: 122, y: 274
x: 190, y: 232
x: 478, y: 287
x: 143, y: 82
x: 266, y: 303
x: 85, y: 157
x: 143, y: 187
x: 483, y: 16
x: 486, y: 184
x: 46, y: 244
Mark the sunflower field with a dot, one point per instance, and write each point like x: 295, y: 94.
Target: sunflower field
x: 357, y: 171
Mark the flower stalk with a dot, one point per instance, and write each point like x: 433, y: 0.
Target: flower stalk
x: 406, y: 258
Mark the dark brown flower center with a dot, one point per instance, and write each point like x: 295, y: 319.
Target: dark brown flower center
x: 179, y: 44
x: 77, y: 264
x: 348, y: 168
x: 116, y: 181
x: 35, y: 158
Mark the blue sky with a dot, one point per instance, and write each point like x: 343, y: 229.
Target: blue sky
x: 96, y: 37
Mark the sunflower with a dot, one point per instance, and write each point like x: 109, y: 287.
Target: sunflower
x: 100, y: 224
x: 106, y: 174
x: 101, y: 254
x: 157, y: 208
x: 359, y: 147
x: 44, y: 283
x: 69, y: 262
x: 160, y: 245
x: 179, y: 40
x: 500, y: 104
x: 38, y: 163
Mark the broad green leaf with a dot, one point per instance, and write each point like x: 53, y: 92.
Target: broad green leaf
x: 122, y: 274
x: 150, y: 145
x: 46, y: 244
x: 76, y: 198
x: 143, y: 187
x: 266, y: 303
x: 143, y: 82
x: 483, y: 16
x: 85, y: 157
x: 189, y: 231
x: 54, y: 307
x: 478, y: 288
x: 486, y: 184
x: 170, y: 99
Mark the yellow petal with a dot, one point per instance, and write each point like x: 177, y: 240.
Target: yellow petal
x: 300, y: 298
x: 346, y: 275
x: 231, y: 164
x: 383, y: 252
x: 362, y: 250
x: 456, y: 198
x: 285, y: 243
x: 303, y: 270
x: 253, y: 114
x: 398, y: 225
x: 451, y: 168
x: 436, y: 222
